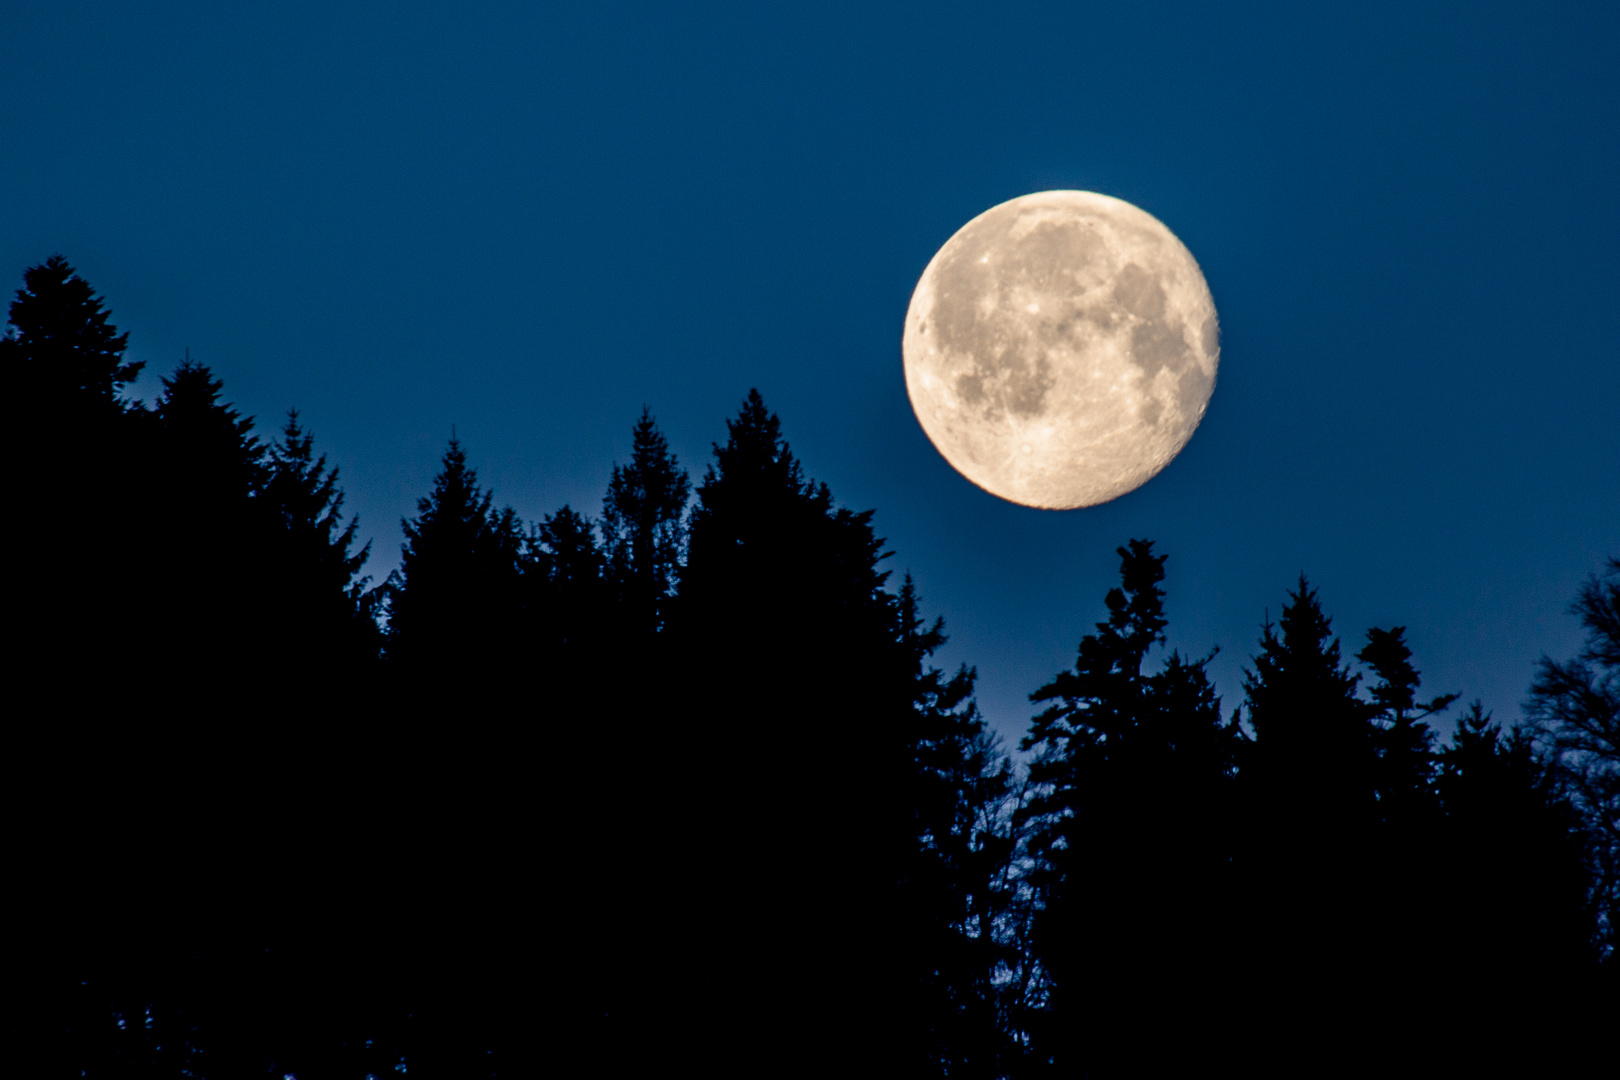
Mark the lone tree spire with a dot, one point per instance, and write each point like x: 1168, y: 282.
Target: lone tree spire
x: 61, y: 344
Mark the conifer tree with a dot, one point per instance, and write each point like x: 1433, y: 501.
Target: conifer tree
x: 320, y: 611
x: 1313, y: 740
x: 782, y: 626
x: 816, y: 709
x: 470, y: 826
x: 64, y: 360
x: 455, y: 603
x: 956, y: 889
x: 570, y: 598
x: 205, y: 532
x: 643, y: 526
x: 1400, y: 871
x: 209, y: 449
x: 1331, y: 903
x: 1131, y: 832
x: 61, y: 349
x: 1519, y: 921
x: 1404, y: 741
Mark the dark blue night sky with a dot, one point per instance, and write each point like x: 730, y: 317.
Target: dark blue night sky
x: 528, y: 220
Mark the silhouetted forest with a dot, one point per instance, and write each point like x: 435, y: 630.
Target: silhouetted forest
x: 677, y: 788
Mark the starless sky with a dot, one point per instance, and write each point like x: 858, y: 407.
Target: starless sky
x: 527, y: 220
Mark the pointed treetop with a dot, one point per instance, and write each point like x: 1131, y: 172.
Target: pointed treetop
x: 1107, y: 671
x: 755, y: 451
x: 62, y: 339
x: 1395, y: 692
x: 1305, y: 650
x: 306, y: 495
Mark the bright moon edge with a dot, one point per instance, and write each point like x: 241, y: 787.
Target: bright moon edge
x: 1060, y: 349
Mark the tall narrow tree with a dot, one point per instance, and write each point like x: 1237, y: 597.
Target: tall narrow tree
x: 64, y: 360
x: 320, y: 612
x: 1402, y: 737
x: 1313, y: 874
x: 793, y: 646
x: 455, y: 603
x: 1132, y: 832
x: 644, y: 528
x: 207, y: 533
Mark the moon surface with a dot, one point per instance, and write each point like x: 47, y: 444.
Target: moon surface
x: 1061, y: 348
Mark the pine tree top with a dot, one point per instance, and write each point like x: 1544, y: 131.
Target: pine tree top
x: 61, y: 339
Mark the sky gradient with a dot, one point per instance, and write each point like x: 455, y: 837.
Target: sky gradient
x: 529, y: 223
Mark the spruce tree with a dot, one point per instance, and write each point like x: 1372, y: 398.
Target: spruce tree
x: 61, y: 348
x: 643, y: 527
x: 1313, y: 740
x: 1401, y: 873
x: 801, y: 769
x: 1132, y: 833
x: 322, y: 633
x: 64, y: 359
x: 468, y: 773
x: 1518, y: 928
x: 1402, y: 737
x: 454, y: 605
x: 570, y: 597
x: 956, y: 892
x: 206, y: 533
x: 1316, y: 883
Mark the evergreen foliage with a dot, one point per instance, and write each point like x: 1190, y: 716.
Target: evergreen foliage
x: 683, y: 785
x: 1313, y: 744
x: 64, y: 359
x: 956, y: 887
x: 201, y: 599
x: 314, y: 570
x: 569, y: 572
x: 61, y: 350
x: 207, y: 533
x: 1512, y: 834
x: 1404, y: 742
x: 643, y: 526
x: 454, y: 606
x: 1132, y: 832
x: 793, y: 645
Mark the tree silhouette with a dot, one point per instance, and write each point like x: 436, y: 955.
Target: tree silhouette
x: 454, y: 605
x: 956, y: 892
x: 320, y: 603
x: 1313, y: 742
x: 1518, y: 922
x: 688, y: 787
x: 1311, y: 871
x: 643, y: 526
x: 64, y: 359
x: 1403, y: 740
x: 809, y: 752
x: 1574, y: 710
x: 62, y: 351
x: 571, y: 596
x: 1133, y: 825
x: 206, y: 530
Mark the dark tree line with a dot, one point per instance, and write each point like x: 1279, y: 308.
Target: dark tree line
x: 678, y: 789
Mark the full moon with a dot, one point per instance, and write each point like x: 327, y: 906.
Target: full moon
x: 1061, y: 348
